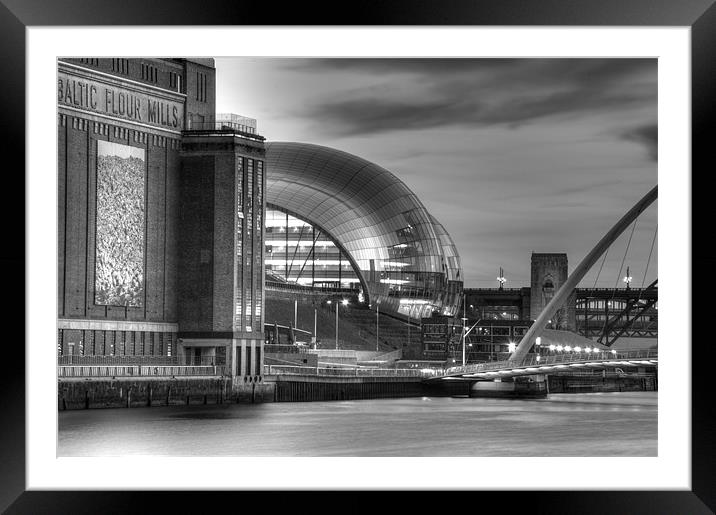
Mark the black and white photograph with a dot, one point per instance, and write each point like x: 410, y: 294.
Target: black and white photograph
x: 357, y: 257
x: 268, y: 253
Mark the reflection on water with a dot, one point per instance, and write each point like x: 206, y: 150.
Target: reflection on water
x: 594, y: 424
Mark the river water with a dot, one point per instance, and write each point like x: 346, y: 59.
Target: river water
x: 591, y: 424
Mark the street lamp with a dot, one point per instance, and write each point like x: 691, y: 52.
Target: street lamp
x: 409, y: 326
x: 627, y: 278
x: 315, y: 328
x: 464, y: 336
x: 464, y: 319
x: 501, y: 279
x: 377, y: 326
x: 345, y: 303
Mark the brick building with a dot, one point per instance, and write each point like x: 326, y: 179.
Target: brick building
x: 160, y: 206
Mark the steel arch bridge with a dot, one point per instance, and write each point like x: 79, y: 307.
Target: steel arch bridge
x: 520, y: 363
x: 561, y: 296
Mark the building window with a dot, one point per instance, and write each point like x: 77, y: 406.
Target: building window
x: 175, y: 81
x: 120, y: 65
x: 500, y: 331
x: 149, y: 73
x: 519, y: 331
x: 201, y: 87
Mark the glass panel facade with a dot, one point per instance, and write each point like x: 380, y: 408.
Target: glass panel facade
x: 250, y: 186
x: 368, y: 228
x: 298, y: 252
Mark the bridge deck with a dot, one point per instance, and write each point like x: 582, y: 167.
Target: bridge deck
x: 557, y: 362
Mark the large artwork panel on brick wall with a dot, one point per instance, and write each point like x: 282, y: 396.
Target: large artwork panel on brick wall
x: 119, y: 274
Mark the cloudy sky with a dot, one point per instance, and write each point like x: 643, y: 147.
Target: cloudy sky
x: 512, y: 156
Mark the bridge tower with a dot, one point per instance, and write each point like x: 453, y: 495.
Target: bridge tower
x: 548, y: 274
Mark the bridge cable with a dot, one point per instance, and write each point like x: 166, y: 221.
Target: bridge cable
x: 594, y: 287
x: 621, y: 267
x: 600, y: 269
x: 643, y: 279
x: 626, y: 251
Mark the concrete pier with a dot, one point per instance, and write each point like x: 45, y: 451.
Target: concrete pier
x: 531, y: 388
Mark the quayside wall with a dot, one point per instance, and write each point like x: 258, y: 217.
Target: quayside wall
x: 595, y: 383
x: 146, y: 392
x: 299, y: 389
x: 78, y: 393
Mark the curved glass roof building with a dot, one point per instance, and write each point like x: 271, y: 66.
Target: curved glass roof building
x: 336, y: 221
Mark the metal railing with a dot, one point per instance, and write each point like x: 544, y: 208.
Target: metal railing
x: 138, y: 371
x: 280, y: 348
x: 223, y: 121
x: 345, y: 372
x: 571, y: 357
x: 294, y: 287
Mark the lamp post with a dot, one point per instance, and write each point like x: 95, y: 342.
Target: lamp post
x: 410, y: 312
x: 627, y: 279
x: 329, y: 302
x: 336, y: 325
x: 377, y: 327
x: 345, y: 303
x: 538, y: 346
x: 464, y: 319
x: 501, y: 279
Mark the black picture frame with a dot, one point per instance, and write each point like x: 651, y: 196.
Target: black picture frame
x: 699, y: 15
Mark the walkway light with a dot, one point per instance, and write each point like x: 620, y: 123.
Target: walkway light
x: 538, y: 358
x: 552, y: 347
x: 613, y: 351
x: 568, y: 348
x: 559, y: 348
x: 511, y: 347
x: 328, y: 301
x: 344, y: 302
x: 577, y: 349
x: 588, y: 350
x: 538, y: 340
